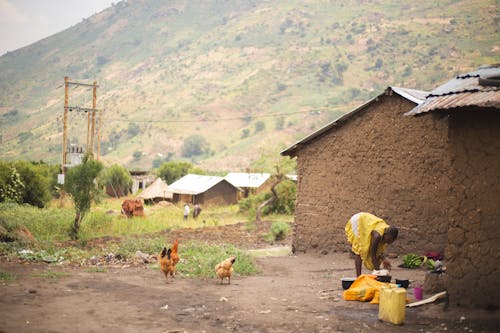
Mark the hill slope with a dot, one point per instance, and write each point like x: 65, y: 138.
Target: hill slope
x: 243, y: 76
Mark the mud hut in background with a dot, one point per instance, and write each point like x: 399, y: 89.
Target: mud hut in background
x: 203, y: 190
x: 156, y: 192
x: 469, y: 107
x: 374, y: 159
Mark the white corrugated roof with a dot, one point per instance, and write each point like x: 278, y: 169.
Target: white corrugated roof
x: 194, y: 184
x: 243, y: 179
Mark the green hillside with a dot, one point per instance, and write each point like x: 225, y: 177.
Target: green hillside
x: 243, y: 76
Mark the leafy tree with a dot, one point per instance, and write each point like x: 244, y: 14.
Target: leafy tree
x: 80, y: 184
x: 245, y: 133
x: 27, y: 182
x: 132, y: 130
x: 11, y: 186
x: 260, y: 126
x: 279, y: 123
x: 171, y: 171
x: 36, y: 190
x: 118, y: 178
x: 195, y: 145
x: 137, y: 155
x: 158, y: 160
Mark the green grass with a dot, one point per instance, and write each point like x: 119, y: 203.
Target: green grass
x: 199, y: 259
x: 96, y: 270
x: 52, y: 276
x: 6, y: 277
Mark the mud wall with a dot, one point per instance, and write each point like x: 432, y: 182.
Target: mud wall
x: 378, y: 161
x: 473, y: 270
x: 222, y: 193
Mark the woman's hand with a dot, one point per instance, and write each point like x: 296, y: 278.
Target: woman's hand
x: 387, y: 264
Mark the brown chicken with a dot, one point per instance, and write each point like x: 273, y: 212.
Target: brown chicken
x: 166, y: 263
x: 225, y: 269
x: 175, y: 253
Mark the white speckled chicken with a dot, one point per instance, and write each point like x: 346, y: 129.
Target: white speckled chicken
x: 225, y: 269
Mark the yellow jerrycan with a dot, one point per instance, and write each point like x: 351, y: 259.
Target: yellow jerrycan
x: 392, y: 305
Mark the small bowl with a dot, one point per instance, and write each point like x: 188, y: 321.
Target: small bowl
x: 384, y: 278
x: 403, y: 283
x: 346, y: 282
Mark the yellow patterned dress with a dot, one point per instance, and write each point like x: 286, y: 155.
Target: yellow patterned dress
x: 358, y: 231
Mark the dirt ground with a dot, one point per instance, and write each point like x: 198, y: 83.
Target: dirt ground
x: 291, y: 294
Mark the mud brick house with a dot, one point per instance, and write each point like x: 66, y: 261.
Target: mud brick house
x: 204, y: 190
x: 469, y: 106
x: 374, y: 159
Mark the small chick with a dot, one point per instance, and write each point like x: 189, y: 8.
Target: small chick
x: 225, y: 269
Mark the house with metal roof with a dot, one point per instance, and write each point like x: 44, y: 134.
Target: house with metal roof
x: 374, y: 159
x: 204, y: 190
x: 249, y: 183
x: 469, y: 106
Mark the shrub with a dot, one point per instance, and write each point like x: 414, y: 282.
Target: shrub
x: 260, y: 126
x: 118, y: 178
x: 27, y: 182
x: 278, y: 231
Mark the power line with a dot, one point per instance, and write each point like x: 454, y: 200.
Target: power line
x: 271, y: 115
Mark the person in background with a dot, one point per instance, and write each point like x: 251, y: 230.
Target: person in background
x: 186, y: 211
x: 196, y: 211
x: 369, y: 236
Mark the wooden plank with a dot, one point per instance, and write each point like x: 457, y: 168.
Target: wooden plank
x: 431, y: 299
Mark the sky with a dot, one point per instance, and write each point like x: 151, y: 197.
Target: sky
x: 23, y: 22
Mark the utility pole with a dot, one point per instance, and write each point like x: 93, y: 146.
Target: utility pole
x: 99, y: 125
x: 94, y: 103
x: 90, y: 129
x: 65, y: 138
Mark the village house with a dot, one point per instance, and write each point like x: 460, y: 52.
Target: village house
x: 374, y: 159
x: 469, y: 107
x: 156, y: 192
x: 203, y: 190
x: 249, y: 183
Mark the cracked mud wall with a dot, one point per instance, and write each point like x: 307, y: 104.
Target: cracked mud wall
x: 378, y: 161
x: 473, y: 270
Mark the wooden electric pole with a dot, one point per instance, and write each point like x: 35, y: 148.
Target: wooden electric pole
x: 91, y: 119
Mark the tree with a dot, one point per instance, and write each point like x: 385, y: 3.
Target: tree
x: 260, y: 126
x: 27, y: 182
x: 36, y: 185
x: 118, y: 178
x: 11, y: 186
x: 81, y: 185
x: 277, y: 178
x: 171, y: 171
x: 137, y: 155
x: 194, y: 145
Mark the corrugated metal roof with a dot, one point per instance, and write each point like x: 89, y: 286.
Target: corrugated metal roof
x: 194, y: 184
x: 415, y: 96
x: 466, y: 90
x: 158, y: 189
x: 243, y: 179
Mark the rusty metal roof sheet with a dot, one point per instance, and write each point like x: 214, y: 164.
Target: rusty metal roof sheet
x: 416, y: 96
x: 480, y: 88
